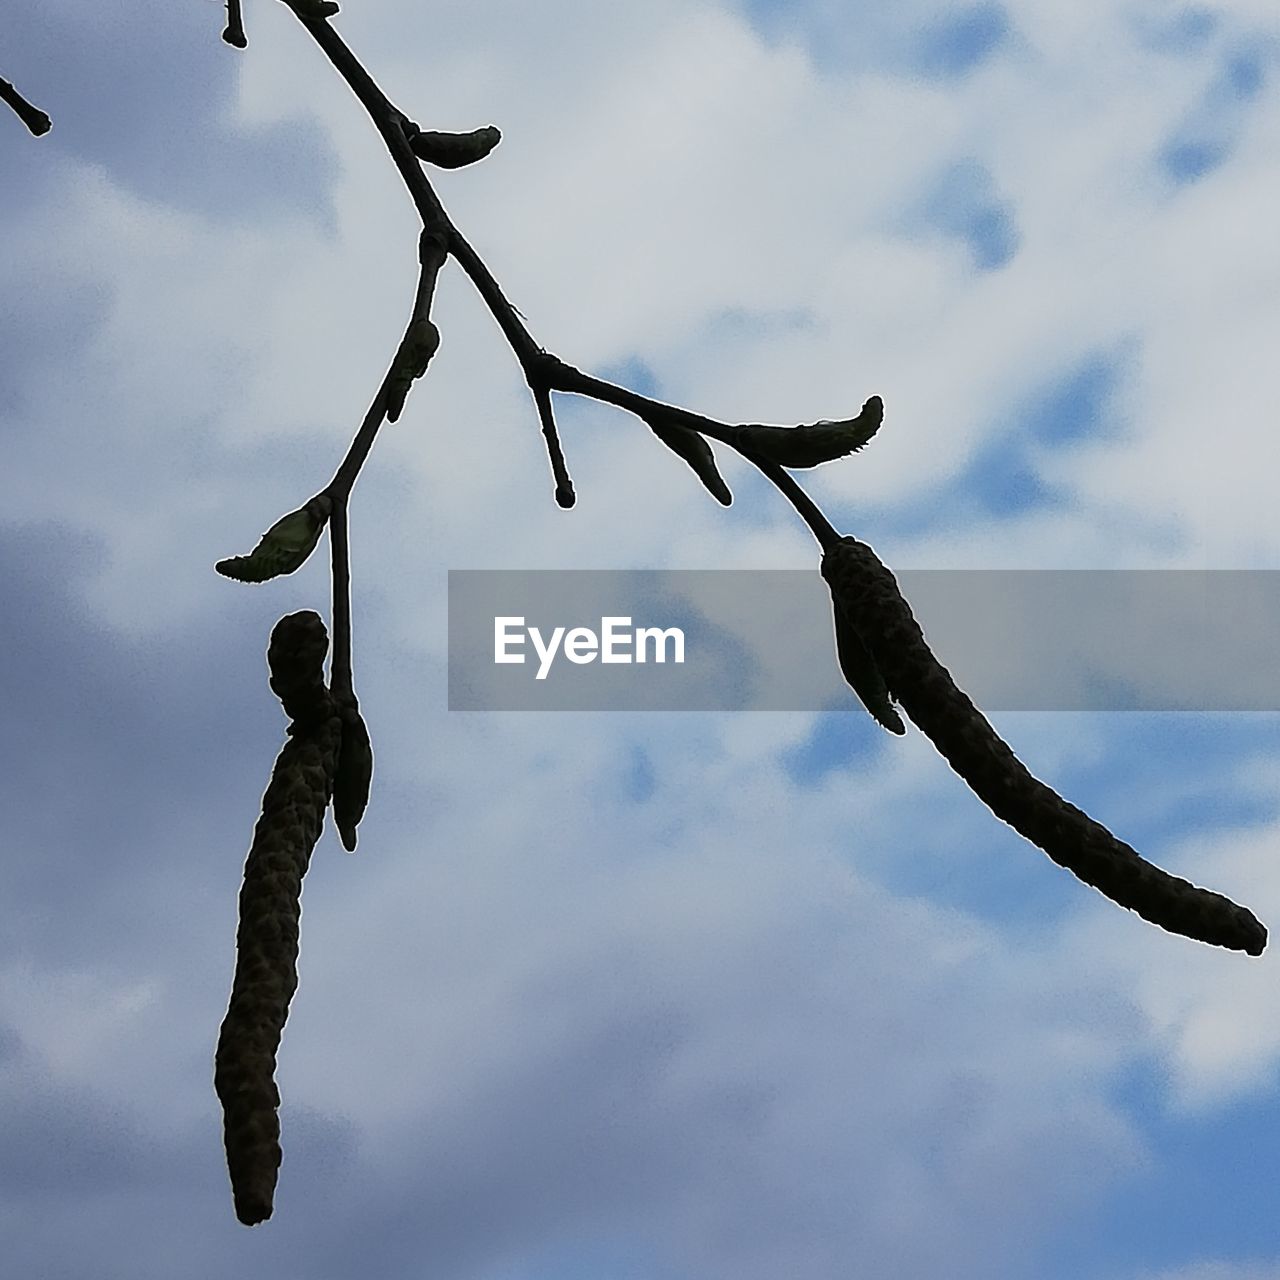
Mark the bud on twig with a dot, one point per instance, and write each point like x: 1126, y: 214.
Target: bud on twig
x: 453, y: 150
x: 870, y: 597
x: 419, y: 344
x: 353, y: 777
x: 818, y: 442
x: 861, y: 673
x: 284, y: 547
x: 266, y: 973
x: 690, y: 446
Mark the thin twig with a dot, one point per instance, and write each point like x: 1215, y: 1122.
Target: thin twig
x: 565, y: 495
x: 340, y: 685
x: 564, y: 377
x: 809, y: 512
x: 543, y: 372
x: 431, y: 256
x: 431, y: 259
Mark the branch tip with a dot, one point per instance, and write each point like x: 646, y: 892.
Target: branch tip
x: 234, y: 33
x: 37, y: 122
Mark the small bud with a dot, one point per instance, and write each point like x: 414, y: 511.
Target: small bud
x: 807, y: 446
x: 454, y: 150
x: 862, y: 674
x: 689, y: 445
x: 353, y: 777
x: 284, y: 547
x: 418, y: 345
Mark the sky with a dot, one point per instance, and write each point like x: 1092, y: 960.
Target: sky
x: 641, y: 995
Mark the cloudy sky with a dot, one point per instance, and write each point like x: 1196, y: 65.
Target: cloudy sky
x: 641, y: 996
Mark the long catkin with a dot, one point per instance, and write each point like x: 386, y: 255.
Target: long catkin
x: 266, y: 976
x: 925, y: 690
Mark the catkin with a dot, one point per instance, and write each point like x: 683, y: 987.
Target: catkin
x: 925, y: 690
x: 266, y: 974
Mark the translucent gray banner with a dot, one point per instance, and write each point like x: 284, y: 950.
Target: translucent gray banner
x: 764, y: 640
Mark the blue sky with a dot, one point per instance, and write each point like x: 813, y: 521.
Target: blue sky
x: 630, y: 996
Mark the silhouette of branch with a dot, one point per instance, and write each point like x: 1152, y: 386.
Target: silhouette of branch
x: 866, y: 651
x: 329, y: 760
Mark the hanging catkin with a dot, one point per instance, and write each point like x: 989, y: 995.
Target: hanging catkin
x: 924, y: 689
x: 266, y: 973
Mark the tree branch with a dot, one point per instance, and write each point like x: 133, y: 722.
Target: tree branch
x: 329, y: 757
